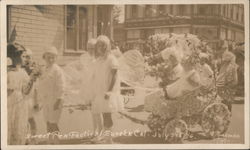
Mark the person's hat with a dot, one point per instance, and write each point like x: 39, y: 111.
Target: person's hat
x: 51, y: 50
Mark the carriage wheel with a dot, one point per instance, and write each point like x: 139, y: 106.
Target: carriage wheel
x: 175, y: 131
x: 156, y: 123
x: 215, y: 120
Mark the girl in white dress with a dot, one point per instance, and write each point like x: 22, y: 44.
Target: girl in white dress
x: 106, y: 85
x: 50, y: 90
x: 18, y: 86
x: 86, y: 92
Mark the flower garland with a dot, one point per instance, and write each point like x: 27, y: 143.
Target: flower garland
x: 190, y: 45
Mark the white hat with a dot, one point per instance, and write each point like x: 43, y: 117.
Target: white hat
x: 51, y: 50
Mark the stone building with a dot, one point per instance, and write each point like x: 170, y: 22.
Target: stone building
x: 211, y: 22
x: 67, y: 27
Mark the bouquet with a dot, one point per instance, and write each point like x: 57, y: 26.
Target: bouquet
x: 36, y: 71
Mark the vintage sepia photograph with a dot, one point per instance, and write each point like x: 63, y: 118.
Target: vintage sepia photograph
x: 89, y: 74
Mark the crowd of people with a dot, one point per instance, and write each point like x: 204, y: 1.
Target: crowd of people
x: 32, y: 88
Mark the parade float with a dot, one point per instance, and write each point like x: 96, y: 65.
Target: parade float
x: 175, y: 118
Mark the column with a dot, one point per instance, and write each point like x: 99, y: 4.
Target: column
x: 111, y: 27
x: 94, y: 21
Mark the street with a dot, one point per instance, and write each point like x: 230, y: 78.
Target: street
x: 125, y: 131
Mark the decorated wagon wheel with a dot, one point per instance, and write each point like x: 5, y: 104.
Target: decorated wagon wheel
x: 156, y: 123
x: 175, y: 131
x: 215, y: 120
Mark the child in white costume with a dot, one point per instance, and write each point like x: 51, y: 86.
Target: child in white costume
x: 87, y: 92
x: 87, y: 60
x: 50, y: 90
x: 106, y: 85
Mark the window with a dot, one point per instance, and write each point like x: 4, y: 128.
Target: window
x: 214, y: 9
x: 232, y: 35
x: 171, y: 9
x: 161, y: 30
x: 242, y: 17
x: 202, y: 10
x: 149, y: 32
x: 224, y: 11
x: 76, y: 28
x: 161, y: 10
x: 133, y: 34
x: 148, y: 11
x: 134, y: 11
x: 181, y: 30
x: 232, y: 12
x: 181, y: 10
x: 241, y: 7
x: 223, y: 34
x: 237, y: 13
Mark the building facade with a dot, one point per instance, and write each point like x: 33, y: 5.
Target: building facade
x: 67, y: 27
x: 210, y: 22
x: 120, y: 35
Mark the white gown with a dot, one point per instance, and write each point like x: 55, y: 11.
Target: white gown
x: 100, y: 85
x: 17, y: 107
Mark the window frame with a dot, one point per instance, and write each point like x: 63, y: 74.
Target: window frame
x: 77, y: 50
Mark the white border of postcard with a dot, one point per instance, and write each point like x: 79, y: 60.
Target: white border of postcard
x: 3, y: 39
